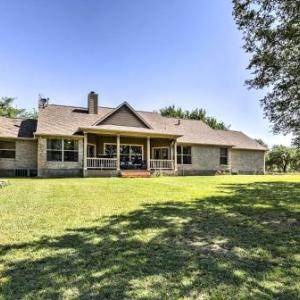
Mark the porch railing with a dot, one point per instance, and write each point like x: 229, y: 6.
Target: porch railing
x: 101, y: 163
x: 161, y: 164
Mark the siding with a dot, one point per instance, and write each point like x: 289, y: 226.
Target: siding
x: 124, y: 117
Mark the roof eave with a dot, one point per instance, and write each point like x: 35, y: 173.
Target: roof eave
x: 128, y: 133
x: 16, y: 137
x: 59, y: 135
x: 250, y: 149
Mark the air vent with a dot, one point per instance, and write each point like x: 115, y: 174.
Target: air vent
x: 21, y: 172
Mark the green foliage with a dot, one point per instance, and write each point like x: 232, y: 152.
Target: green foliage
x: 8, y: 110
x: 296, y: 141
x: 271, y: 31
x: 195, y: 114
x: 282, y: 158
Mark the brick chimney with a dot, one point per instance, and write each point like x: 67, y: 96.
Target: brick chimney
x: 93, y: 103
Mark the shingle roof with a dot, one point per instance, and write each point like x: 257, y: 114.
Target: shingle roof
x: 13, y: 128
x: 66, y: 120
x: 241, y: 140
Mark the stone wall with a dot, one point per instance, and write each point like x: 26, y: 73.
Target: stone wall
x: 248, y: 162
x: 205, y: 161
x: 58, y: 168
x: 26, y: 158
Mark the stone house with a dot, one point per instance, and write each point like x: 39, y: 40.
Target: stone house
x: 68, y: 141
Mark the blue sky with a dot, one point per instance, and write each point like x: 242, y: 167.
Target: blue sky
x: 151, y: 53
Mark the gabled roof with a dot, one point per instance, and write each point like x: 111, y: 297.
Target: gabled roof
x: 69, y: 120
x: 17, y: 128
x: 131, y: 109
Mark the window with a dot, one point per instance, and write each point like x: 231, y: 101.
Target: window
x: 124, y: 153
x: 127, y: 152
x: 110, y: 150
x: 184, y: 155
x: 160, y: 153
x: 223, y: 156
x: 62, y: 150
x: 7, y: 149
x: 136, y: 153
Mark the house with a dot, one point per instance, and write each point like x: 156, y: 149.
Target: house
x: 100, y: 141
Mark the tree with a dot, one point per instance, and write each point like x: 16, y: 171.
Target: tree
x: 271, y: 32
x: 195, y: 114
x: 262, y: 143
x: 8, y: 110
x: 295, y: 164
x: 280, y: 158
x: 296, y: 141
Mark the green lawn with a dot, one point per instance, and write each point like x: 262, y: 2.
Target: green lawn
x: 223, y: 237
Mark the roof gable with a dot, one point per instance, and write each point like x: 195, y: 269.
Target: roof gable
x: 124, y: 115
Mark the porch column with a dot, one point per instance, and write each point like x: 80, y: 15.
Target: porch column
x: 264, y: 168
x: 175, y: 155
x: 85, y: 155
x: 148, y: 153
x: 118, y: 152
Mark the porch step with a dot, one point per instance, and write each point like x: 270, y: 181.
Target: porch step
x: 135, y: 173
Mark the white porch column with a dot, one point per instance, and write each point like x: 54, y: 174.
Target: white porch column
x: 85, y: 155
x: 175, y: 156
x: 118, y: 152
x: 148, y: 153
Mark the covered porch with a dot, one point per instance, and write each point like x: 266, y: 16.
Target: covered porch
x: 109, y: 152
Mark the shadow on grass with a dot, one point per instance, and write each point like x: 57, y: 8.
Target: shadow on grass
x: 243, y: 244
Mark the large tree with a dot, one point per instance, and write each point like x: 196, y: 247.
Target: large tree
x: 8, y: 110
x: 195, y: 114
x: 281, y: 158
x: 271, y: 31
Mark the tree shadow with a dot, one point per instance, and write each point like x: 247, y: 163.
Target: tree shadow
x: 243, y: 244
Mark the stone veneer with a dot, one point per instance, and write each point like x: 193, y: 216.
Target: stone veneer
x: 248, y: 161
x: 26, y: 158
x: 58, y: 168
x: 32, y: 155
x: 205, y: 161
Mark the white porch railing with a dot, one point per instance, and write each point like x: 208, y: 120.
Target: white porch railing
x: 101, y: 163
x: 161, y: 164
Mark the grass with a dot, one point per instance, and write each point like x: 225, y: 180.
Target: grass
x: 225, y: 237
